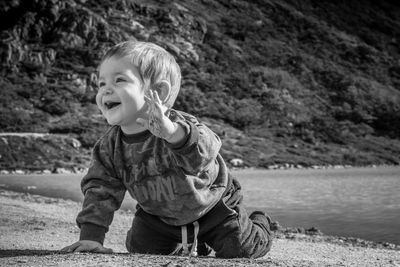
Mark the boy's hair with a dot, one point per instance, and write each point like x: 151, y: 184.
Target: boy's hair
x: 154, y: 64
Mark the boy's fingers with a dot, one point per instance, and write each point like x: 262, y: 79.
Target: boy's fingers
x: 102, y: 250
x: 150, y: 103
x: 157, y: 103
x: 71, y: 248
x: 64, y: 249
x: 158, y: 108
x: 108, y: 250
x: 151, y: 94
x: 157, y: 98
x: 81, y: 249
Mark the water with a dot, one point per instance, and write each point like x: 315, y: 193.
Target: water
x: 358, y: 202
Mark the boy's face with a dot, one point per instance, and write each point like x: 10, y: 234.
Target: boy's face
x: 121, y: 94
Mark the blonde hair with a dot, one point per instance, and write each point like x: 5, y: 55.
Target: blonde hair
x: 154, y: 64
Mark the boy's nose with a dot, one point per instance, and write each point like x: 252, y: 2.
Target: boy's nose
x: 108, y: 90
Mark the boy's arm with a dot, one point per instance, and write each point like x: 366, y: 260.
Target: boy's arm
x: 103, y: 194
x: 198, y: 148
x: 194, y: 145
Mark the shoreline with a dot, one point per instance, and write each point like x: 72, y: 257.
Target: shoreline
x: 36, y: 227
x: 313, y: 234
x: 275, y: 167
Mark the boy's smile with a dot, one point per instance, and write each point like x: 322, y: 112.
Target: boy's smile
x: 121, y: 94
x: 111, y: 104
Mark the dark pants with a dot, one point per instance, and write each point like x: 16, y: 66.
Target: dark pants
x: 226, y: 228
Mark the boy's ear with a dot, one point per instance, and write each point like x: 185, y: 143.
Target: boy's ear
x: 163, y: 89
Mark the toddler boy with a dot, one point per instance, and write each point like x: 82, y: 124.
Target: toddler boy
x: 168, y: 161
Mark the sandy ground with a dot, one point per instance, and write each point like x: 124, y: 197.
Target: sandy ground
x: 33, y: 228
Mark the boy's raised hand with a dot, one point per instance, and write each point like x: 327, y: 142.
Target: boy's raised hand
x: 158, y: 123
x: 87, y: 246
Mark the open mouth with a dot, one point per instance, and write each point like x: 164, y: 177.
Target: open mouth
x: 111, y: 105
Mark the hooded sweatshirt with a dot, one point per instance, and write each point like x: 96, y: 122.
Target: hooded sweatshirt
x: 178, y: 183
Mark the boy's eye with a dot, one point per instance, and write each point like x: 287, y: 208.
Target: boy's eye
x: 101, y: 84
x: 120, y: 80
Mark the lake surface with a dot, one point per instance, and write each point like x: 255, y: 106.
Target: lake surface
x: 358, y: 202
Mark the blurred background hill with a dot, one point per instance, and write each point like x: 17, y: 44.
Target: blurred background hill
x: 283, y: 82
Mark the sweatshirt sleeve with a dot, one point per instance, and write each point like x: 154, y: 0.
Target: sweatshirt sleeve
x: 199, y: 149
x: 103, y: 194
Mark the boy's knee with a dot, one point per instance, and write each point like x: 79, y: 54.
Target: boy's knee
x: 132, y: 245
x: 255, y: 250
x: 128, y: 242
x: 262, y: 235
x: 231, y: 248
x: 254, y: 241
x: 258, y: 247
x: 136, y: 245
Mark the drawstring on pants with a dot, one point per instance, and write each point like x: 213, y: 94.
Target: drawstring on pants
x: 184, y: 245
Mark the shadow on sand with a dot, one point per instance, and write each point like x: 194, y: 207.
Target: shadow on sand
x: 6, y: 253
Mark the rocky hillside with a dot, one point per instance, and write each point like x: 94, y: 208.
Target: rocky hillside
x: 281, y: 81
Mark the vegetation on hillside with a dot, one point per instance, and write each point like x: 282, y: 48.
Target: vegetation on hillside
x: 299, y: 82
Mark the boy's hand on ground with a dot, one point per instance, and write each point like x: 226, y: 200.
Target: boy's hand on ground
x: 158, y: 123
x: 87, y: 246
